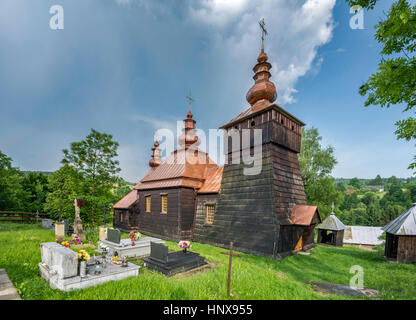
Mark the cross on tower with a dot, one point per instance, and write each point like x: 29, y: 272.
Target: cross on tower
x: 262, y: 25
x: 190, y: 99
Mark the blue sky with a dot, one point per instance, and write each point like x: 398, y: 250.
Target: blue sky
x: 125, y: 67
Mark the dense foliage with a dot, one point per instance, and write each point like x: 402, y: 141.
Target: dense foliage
x: 89, y: 171
x: 316, y: 164
x: 357, y: 201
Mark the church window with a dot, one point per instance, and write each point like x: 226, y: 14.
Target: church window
x: 164, y: 201
x: 148, y: 203
x: 210, y: 209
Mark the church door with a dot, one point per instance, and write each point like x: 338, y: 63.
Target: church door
x: 299, y: 245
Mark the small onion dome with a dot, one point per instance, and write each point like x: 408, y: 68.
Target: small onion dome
x: 263, y: 88
x: 188, y: 136
x: 156, y: 158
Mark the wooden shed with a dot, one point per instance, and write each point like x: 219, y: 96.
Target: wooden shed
x: 331, y: 231
x: 401, y: 237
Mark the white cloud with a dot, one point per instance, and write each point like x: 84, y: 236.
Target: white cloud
x: 296, y: 31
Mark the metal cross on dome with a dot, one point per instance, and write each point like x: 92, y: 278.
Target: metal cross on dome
x: 262, y: 25
x: 190, y: 99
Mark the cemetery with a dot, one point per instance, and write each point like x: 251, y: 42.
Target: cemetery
x: 36, y: 271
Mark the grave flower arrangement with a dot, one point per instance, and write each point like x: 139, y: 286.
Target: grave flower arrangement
x: 83, y: 255
x: 76, y: 240
x: 184, y: 245
x: 133, y: 237
x: 65, y: 243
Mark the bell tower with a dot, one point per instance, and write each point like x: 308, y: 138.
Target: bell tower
x: 253, y: 210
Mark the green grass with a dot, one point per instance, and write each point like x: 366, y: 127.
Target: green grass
x: 253, y: 277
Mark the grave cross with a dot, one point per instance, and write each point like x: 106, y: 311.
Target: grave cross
x: 230, y: 261
x: 60, y: 210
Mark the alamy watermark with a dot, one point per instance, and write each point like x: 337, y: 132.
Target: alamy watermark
x: 357, y: 280
x: 357, y: 20
x: 56, y: 22
x: 238, y: 147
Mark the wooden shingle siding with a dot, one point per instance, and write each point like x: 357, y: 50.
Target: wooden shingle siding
x: 253, y: 211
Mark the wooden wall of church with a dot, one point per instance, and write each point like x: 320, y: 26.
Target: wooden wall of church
x: 201, y: 228
x: 127, y: 219
x: 154, y: 223
x: 252, y: 208
x: 187, y: 213
x: 245, y: 211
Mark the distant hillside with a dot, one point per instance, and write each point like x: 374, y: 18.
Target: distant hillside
x: 366, y: 182
x: 46, y: 173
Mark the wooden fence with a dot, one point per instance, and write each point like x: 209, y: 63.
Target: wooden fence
x: 23, y: 217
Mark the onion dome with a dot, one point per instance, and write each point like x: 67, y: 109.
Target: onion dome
x: 263, y: 89
x: 156, y: 157
x: 188, y: 136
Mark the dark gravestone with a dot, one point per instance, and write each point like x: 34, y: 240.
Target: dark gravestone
x: 47, y: 224
x: 113, y: 235
x: 159, y: 252
x: 170, y: 263
x: 66, y: 225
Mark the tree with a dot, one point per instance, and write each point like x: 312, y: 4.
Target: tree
x: 12, y: 195
x: 391, y: 213
x: 316, y: 164
x: 395, y: 81
x: 355, y: 182
x: 377, y: 181
x: 64, y: 185
x: 94, y: 159
x: 36, y: 186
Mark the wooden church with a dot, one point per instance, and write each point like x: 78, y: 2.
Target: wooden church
x: 264, y: 214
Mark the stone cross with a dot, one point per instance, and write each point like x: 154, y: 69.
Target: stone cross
x: 78, y: 222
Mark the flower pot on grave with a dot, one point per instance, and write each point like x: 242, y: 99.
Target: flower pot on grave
x: 184, y: 250
x: 83, y: 269
x: 133, y: 243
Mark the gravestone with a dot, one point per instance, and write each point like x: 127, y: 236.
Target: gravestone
x: 59, y: 267
x: 159, y: 252
x: 59, y: 260
x: 170, y: 263
x: 113, y: 235
x: 47, y: 224
x: 125, y: 248
x: 66, y: 224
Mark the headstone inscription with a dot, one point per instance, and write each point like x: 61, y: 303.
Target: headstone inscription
x: 113, y: 235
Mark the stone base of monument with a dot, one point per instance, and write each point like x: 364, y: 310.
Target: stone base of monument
x: 110, y: 273
x: 176, y: 262
x: 125, y: 249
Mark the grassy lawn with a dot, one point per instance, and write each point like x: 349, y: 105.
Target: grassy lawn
x: 252, y: 277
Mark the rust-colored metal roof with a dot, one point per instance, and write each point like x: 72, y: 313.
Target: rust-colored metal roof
x: 212, y: 183
x: 304, y: 215
x: 130, y: 199
x: 184, y: 167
